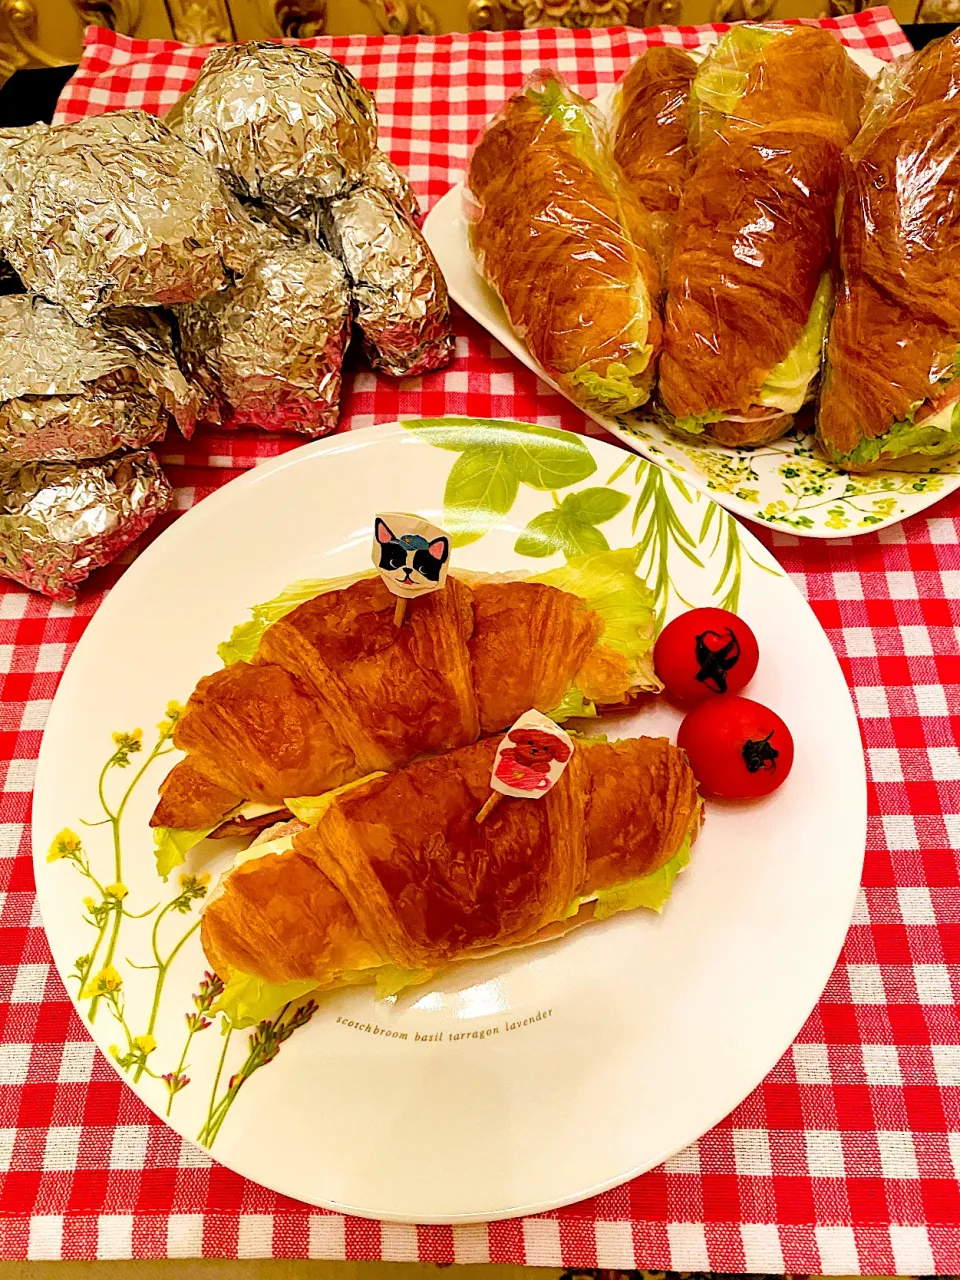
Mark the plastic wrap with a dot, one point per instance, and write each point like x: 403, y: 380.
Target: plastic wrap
x: 115, y: 211
x: 60, y: 521
x: 269, y: 351
x: 282, y: 123
x: 749, y: 284
x: 569, y: 252
x: 399, y: 295
x: 891, y: 388
x: 760, y: 75
x: 73, y: 393
x: 651, y: 114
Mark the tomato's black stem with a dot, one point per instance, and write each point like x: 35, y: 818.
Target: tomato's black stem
x: 759, y: 753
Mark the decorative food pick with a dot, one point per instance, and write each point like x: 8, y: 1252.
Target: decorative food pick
x: 530, y: 759
x: 411, y: 555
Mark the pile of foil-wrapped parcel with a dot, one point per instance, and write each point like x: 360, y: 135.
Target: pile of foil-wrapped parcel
x: 207, y: 267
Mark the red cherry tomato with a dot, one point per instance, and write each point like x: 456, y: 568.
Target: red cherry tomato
x: 703, y: 653
x: 737, y: 748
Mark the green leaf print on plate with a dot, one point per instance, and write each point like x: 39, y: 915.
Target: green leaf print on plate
x: 495, y: 459
x: 546, y: 458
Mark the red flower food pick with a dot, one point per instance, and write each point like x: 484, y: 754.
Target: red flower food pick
x: 411, y: 556
x: 531, y: 756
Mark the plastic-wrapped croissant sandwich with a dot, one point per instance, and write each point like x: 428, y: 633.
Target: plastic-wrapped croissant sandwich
x: 321, y: 688
x: 566, y: 247
x: 393, y: 879
x: 748, y: 285
x: 651, y: 109
x: 891, y: 386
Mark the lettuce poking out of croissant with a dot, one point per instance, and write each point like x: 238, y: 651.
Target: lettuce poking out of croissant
x: 247, y: 999
x: 606, y: 580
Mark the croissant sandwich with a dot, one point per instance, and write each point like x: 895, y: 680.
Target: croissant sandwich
x: 394, y: 879
x: 321, y: 688
x: 651, y: 110
x: 748, y: 285
x: 566, y: 247
x: 890, y: 389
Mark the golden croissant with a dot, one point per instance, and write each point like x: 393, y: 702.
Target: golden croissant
x: 652, y: 107
x: 333, y: 690
x: 890, y: 386
x: 395, y: 879
x: 566, y: 247
x: 749, y: 286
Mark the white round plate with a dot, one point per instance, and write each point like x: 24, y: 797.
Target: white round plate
x: 785, y: 485
x: 512, y: 1085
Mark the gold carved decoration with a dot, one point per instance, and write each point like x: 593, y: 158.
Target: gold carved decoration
x: 193, y: 21
x: 18, y: 26
x: 840, y: 8
x: 115, y: 15
x: 200, y: 21
x: 402, y: 17
x: 742, y: 10
x: 300, y: 20
x: 500, y: 15
x: 938, y: 11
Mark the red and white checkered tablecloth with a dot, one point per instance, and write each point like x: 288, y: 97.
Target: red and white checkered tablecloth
x: 846, y: 1158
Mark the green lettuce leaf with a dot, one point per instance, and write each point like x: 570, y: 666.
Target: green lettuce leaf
x: 310, y: 809
x: 618, y: 390
x: 173, y: 845
x: 245, y: 638
x: 787, y: 385
x: 570, y: 111
x: 391, y: 981
x: 608, y: 582
x: 692, y: 426
x: 650, y: 891
x: 573, y: 704
x: 722, y: 76
x: 928, y: 439
x: 247, y: 1000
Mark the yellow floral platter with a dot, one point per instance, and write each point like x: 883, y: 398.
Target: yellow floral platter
x: 785, y: 485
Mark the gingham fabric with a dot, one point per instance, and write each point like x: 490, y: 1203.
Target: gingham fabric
x: 846, y: 1158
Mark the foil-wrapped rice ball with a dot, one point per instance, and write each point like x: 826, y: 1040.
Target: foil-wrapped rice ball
x: 61, y: 520
x: 283, y: 124
x: 383, y: 175
x: 400, y: 297
x: 114, y: 210
x: 270, y: 350
x: 10, y: 140
x: 72, y: 392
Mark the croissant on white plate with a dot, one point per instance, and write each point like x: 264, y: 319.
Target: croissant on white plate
x: 392, y: 879
x: 331, y: 689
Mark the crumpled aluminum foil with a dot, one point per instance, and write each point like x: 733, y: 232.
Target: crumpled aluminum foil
x: 10, y: 140
x: 60, y: 521
x: 399, y: 293
x: 114, y: 210
x: 283, y: 124
x: 71, y: 393
x: 270, y: 350
x: 382, y: 174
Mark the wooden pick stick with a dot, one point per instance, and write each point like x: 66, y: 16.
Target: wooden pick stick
x: 399, y: 611
x: 493, y: 800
